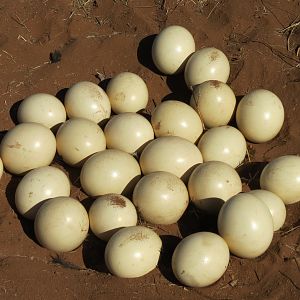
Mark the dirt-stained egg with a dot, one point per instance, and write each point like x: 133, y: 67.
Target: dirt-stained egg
x: 110, y: 171
x: 171, y: 154
x: 200, y: 259
x: 129, y: 132
x: 77, y: 139
x: 224, y: 143
x: 37, y: 186
x: 161, y: 198
x: 27, y: 146
x: 61, y: 224
x: 213, y: 183
x: 132, y: 252
x: 171, y: 49
x: 127, y: 92
x: 214, y: 101
x: 87, y: 100
x: 246, y: 224
x: 42, y: 108
x: 175, y: 118
x: 206, y: 64
x: 109, y: 213
x: 260, y: 116
x: 281, y: 176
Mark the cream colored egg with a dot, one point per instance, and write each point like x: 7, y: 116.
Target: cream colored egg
x: 211, y: 184
x: 246, y: 224
x: 176, y: 118
x: 109, y: 213
x: 1, y: 168
x: 110, y: 171
x: 77, y: 139
x: 172, y: 48
x: 39, y: 185
x: 260, y: 116
x: 87, y: 100
x: 206, y: 64
x: 127, y: 92
x: 161, y: 198
x: 171, y: 154
x: 132, y: 252
x: 282, y: 177
x: 129, y: 132
x: 200, y: 259
x: 27, y: 146
x: 61, y: 224
x: 275, y: 205
x: 224, y: 143
x: 42, y: 108
x: 214, y: 101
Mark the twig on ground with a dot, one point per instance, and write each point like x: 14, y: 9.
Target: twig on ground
x: 290, y: 230
x: 248, y: 155
x: 20, y: 37
x: 268, y: 8
x: 213, y: 9
x: 290, y: 29
x: 22, y: 23
x: 290, y: 280
x: 287, y: 59
x: 294, y: 24
x: 39, y: 66
x: 7, y: 53
x: 97, y: 36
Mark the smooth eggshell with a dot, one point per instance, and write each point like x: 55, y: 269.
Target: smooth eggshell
x: 77, y: 139
x: 224, y: 143
x: 87, y: 100
x: 200, y: 259
x: 161, y: 198
x: 61, y: 224
x: 109, y: 213
x: 128, y: 132
x: 214, y: 101
x: 275, y: 205
x: 211, y: 184
x: 42, y: 108
x: 27, y: 146
x: 282, y: 177
x: 1, y: 168
x: 171, y: 49
x: 171, y: 154
x: 39, y: 185
x: 246, y: 224
x: 206, y: 64
x: 110, y: 171
x: 127, y: 92
x: 176, y: 118
x: 260, y: 116
x: 132, y: 252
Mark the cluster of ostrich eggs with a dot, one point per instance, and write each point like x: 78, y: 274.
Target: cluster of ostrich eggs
x: 144, y: 169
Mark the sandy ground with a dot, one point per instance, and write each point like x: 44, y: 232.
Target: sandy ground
x: 97, y: 40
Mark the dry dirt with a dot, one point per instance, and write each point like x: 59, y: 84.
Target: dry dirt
x: 98, y: 39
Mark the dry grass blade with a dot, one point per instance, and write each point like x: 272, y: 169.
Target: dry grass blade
x: 290, y: 27
x: 290, y: 30
x: 213, y: 9
x: 81, y: 5
x: 290, y: 230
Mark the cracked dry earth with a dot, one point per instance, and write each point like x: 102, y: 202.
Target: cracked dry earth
x: 97, y: 40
